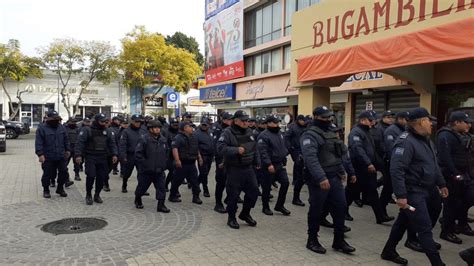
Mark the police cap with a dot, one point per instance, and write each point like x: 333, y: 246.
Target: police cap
x: 100, y: 117
x: 240, y: 114
x: 367, y: 114
x: 322, y: 111
x: 460, y: 116
x: 154, y: 123
x: 419, y: 113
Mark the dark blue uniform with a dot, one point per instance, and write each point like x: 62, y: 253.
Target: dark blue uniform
x: 292, y: 139
x: 217, y: 130
x: 152, y: 155
x: 52, y: 143
x: 258, y: 171
x: 362, y: 152
x: 95, y: 145
x: 416, y: 177
x: 170, y: 133
x: 128, y: 143
x: 207, y: 149
x: 272, y: 151
x: 73, y: 136
x: 116, y: 129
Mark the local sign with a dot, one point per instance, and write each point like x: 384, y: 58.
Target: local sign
x: 217, y: 93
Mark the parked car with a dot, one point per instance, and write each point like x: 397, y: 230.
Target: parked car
x: 15, y: 129
x: 3, y: 138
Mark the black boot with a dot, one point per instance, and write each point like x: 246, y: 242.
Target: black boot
x: 348, y: 217
x: 161, y: 207
x: 89, y: 199
x: 60, y: 191
x: 77, y: 177
x: 266, y: 210
x: 413, y: 245
x: 283, y: 210
x: 450, y: 237
x: 324, y: 222
x: 340, y: 244
x: 53, y: 183
x: 106, y: 188
x: 298, y: 202
x: 313, y: 245
x: 393, y: 256
x: 220, y: 208
x: 97, y: 198
x: 69, y: 183
x: 138, y: 202
x: 245, y: 216
x: 46, y: 194
x: 124, y: 186
x: 196, y: 199
x: 232, y: 222
x: 173, y: 198
x: 206, y: 192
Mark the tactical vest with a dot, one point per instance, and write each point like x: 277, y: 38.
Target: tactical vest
x: 330, y: 153
x: 72, y: 134
x: 462, y: 154
x: 189, y: 153
x: 97, y: 142
x: 246, y: 141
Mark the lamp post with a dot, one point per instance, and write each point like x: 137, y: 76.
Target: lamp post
x: 58, y: 56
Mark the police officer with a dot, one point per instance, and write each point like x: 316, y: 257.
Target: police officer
x: 252, y: 123
x: 127, y: 145
x: 261, y: 126
x: 455, y: 151
x: 322, y: 153
x: 52, y: 149
x: 187, y: 117
x: 362, y: 152
x: 185, y: 149
x: 206, y: 149
x: 272, y: 151
x: 238, y: 147
x: 73, y: 135
x: 417, y: 183
x: 171, y: 132
x: 217, y: 129
x: 151, y: 155
x: 292, y: 140
x: 95, y: 144
x: 115, y: 127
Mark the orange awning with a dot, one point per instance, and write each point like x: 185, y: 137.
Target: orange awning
x: 448, y: 42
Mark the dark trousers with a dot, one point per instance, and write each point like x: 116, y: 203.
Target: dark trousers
x: 77, y: 167
x: 298, y: 180
x: 220, y: 183
x: 144, y: 182
x: 96, y: 169
x: 204, y: 169
x: 241, y: 179
x: 468, y: 202
x: 428, y: 207
x: 387, y: 189
x: 335, y: 201
x: 128, y: 167
x: 368, y: 183
x: 188, y: 171
x: 51, y: 168
x: 457, y: 205
x: 170, y: 168
x: 281, y: 177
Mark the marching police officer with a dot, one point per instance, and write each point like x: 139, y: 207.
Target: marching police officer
x: 151, y: 155
x: 417, y: 183
x: 73, y: 134
x: 362, y: 152
x: 52, y: 149
x: 252, y: 123
x: 292, y: 139
x: 455, y: 151
x: 185, y: 149
x: 115, y: 127
x: 272, y: 151
x: 238, y: 147
x: 95, y: 144
x: 217, y: 129
x: 170, y: 133
x: 261, y: 126
x: 206, y: 149
x: 127, y: 145
x: 322, y: 153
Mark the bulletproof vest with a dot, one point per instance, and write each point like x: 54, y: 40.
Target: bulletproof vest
x: 72, y: 134
x: 331, y: 152
x: 97, y: 143
x: 462, y: 155
x: 247, y: 141
x: 190, y: 151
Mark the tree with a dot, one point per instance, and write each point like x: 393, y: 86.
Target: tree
x: 92, y: 60
x: 16, y: 67
x: 181, y: 40
x: 148, y: 61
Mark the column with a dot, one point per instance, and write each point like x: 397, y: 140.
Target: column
x: 310, y: 97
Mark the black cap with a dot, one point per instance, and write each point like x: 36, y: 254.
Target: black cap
x: 261, y: 119
x: 86, y: 119
x: 100, y: 117
x: 272, y: 119
x: 118, y: 117
x: 308, y: 118
x: 460, y: 116
x: 183, y: 124
x: 322, y: 111
x: 252, y: 119
x: 137, y: 117
x: 240, y: 114
x: 188, y: 115
x: 154, y: 123
x: 300, y: 117
x: 53, y: 115
x: 402, y: 115
x: 124, y: 121
x: 388, y: 113
x: 72, y: 120
x: 226, y: 116
x: 173, y: 121
x: 367, y: 114
x: 205, y: 120
x: 418, y: 113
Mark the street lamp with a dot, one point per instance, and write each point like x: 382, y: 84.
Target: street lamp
x: 58, y: 56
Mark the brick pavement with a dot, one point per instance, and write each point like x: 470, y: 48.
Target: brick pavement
x: 191, y: 234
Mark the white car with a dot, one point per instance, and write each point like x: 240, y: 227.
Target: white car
x: 3, y: 137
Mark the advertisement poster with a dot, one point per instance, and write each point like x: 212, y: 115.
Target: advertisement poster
x: 224, y: 45
x: 215, y: 6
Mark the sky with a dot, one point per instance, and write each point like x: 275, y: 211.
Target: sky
x: 35, y: 23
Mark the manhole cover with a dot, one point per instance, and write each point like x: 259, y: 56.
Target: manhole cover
x: 73, y: 226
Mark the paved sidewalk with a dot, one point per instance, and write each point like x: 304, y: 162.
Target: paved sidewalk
x: 191, y: 234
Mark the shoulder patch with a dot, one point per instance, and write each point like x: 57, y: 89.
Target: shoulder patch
x: 390, y: 137
x: 81, y: 133
x: 260, y: 141
x: 399, y: 151
x: 113, y: 134
x: 221, y: 138
x: 252, y: 138
x: 404, y: 135
x: 356, y: 138
x: 306, y: 142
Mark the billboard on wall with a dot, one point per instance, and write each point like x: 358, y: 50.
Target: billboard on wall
x: 213, y: 7
x: 224, y: 45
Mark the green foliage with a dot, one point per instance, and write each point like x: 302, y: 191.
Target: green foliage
x: 181, y: 40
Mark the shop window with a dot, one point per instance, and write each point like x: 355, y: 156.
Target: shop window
x: 266, y: 60
x: 291, y: 7
x: 276, y: 60
x: 287, y: 57
x: 263, y: 24
x: 26, y: 107
x: 249, y: 69
x: 257, y: 64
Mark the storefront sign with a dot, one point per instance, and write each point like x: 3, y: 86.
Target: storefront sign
x: 224, y: 45
x: 217, y: 93
x: 154, y: 102
x: 194, y: 101
x: 213, y: 7
x: 368, y: 80
x: 265, y: 88
x: 264, y: 102
x: 372, y: 75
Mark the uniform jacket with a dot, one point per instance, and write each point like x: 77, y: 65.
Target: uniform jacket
x: 271, y: 148
x: 292, y: 138
x: 51, y: 142
x: 206, y: 142
x: 85, y: 137
x: 129, y: 139
x: 361, y: 147
x: 390, y: 135
x: 228, y: 146
x: 377, y: 133
x: 413, y: 164
x: 188, y: 147
x: 217, y: 130
x: 152, y: 154
x: 455, y: 152
x: 72, y: 135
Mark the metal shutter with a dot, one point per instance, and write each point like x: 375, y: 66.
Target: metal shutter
x: 403, y: 100
x: 377, y: 99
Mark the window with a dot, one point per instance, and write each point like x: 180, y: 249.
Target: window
x: 287, y: 57
x: 266, y: 62
x: 276, y: 60
x: 291, y: 7
x: 249, y: 66
x: 263, y: 24
x: 257, y: 65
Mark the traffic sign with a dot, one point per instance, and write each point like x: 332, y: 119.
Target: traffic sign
x: 172, y: 100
